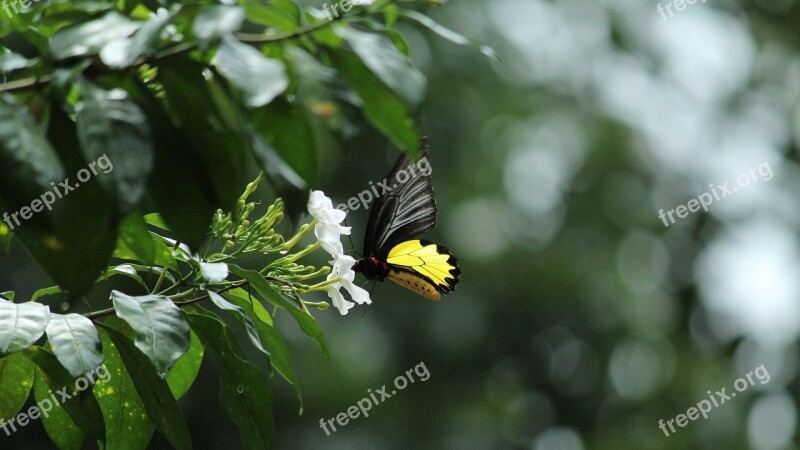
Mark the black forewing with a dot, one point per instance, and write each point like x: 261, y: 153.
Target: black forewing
x: 409, y: 210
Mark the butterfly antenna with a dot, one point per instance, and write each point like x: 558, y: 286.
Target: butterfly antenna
x: 372, y: 289
x: 350, y: 237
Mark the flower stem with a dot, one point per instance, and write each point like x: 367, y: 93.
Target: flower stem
x: 304, y: 230
x: 320, y: 286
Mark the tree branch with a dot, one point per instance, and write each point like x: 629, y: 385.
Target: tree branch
x: 103, y: 313
x: 26, y: 84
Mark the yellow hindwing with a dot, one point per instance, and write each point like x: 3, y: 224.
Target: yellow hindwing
x: 424, y: 267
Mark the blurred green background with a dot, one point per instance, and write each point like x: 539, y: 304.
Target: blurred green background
x: 580, y: 320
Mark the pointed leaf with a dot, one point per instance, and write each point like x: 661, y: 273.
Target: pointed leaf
x: 127, y: 424
x: 44, y: 292
x: 242, y: 318
x: 289, y: 130
x: 134, y: 236
x: 75, y: 343
x: 115, y: 135
x: 244, y: 393
x: 183, y: 374
x: 83, y: 409
x: 161, y: 331
x: 382, y: 108
x: 392, y: 67
x: 156, y: 396
x: 89, y: 37
x: 124, y: 52
x: 259, y: 78
x: 21, y: 325
x: 217, y: 21
x: 57, y: 422
x: 272, y: 340
x: 125, y: 270
x: 82, y: 239
x: 303, y: 319
x: 16, y: 380
x: 213, y: 126
x: 28, y: 160
x: 448, y: 34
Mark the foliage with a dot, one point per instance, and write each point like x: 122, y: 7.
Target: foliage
x: 173, y: 102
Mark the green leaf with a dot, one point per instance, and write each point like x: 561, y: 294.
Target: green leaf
x: 125, y: 270
x: 282, y: 176
x: 127, y: 424
x: 21, y: 325
x: 279, y: 352
x: 448, y: 34
x: 183, y: 374
x: 382, y: 108
x: 16, y: 380
x: 56, y: 420
x: 282, y: 14
x: 156, y: 220
x: 214, y: 127
x: 10, y: 61
x: 116, y: 138
x: 303, y: 318
x: 243, y: 299
x: 161, y: 331
x: 75, y: 343
x: 89, y: 37
x: 156, y: 396
x: 134, y: 235
x: 83, y: 409
x: 5, y: 238
x: 316, y: 84
x: 179, y: 184
x: 244, y: 393
x: 289, y: 131
x: 392, y: 67
x: 77, y: 249
x: 259, y: 78
x: 125, y: 52
x: 153, y: 270
x: 217, y: 21
x: 28, y: 160
x: 44, y: 292
x: 241, y: 317
x: 398, y: 41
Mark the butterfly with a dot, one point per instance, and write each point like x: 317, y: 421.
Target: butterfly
x: 392, y: 248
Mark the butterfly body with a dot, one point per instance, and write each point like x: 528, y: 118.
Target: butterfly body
x: 391, y: 247
x: 372, y: 268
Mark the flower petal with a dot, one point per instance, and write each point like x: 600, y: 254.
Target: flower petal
x: 214, y: 272
x: 338, y: 299
x: 359, y: 294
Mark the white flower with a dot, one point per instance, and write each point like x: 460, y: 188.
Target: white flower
x: 363, y: 2
x: 214, y: 272
x: 327, y: 229
x: 343, y: 272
